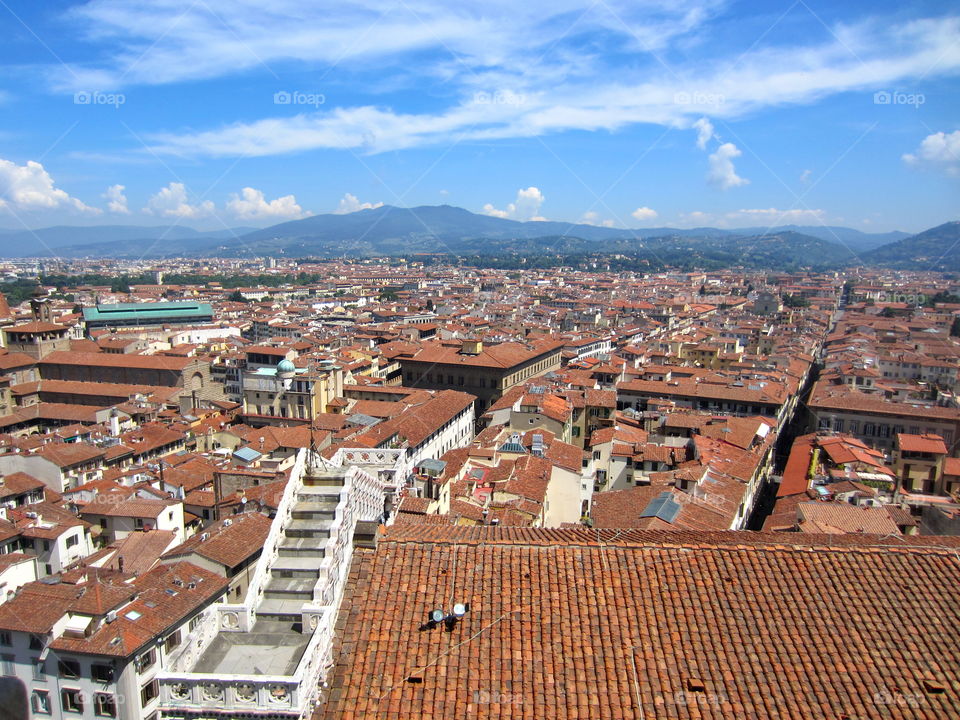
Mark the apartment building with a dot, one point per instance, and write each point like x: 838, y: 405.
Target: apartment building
x: 91, y: 648
x: 483, y: 370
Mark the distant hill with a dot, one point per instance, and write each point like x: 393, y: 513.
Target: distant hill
x: 934, y: 249
x: 446, y: 229
x: 61, y: 239
x: 854, y: 239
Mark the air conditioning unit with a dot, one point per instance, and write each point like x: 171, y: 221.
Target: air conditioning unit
x: 228, y: 522
x: 111, y: 616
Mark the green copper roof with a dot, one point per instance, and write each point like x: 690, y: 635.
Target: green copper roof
x: 147, y: 311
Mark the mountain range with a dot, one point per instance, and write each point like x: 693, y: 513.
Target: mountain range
x: 444, y: 229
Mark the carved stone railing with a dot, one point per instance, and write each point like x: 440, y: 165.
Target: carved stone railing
x: 237, y: 693
x: 196, y: 642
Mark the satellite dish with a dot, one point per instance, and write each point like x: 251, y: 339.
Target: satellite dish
x: 459, y: 610
x: 436, y: 615
x: 243, y: 500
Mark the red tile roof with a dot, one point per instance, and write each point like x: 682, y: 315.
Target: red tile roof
x: 927, y: 443
x: 613, y: 624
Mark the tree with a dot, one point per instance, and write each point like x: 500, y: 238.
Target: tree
x: 120, y: 285
x: 237, y: 296
x: 955, y: 328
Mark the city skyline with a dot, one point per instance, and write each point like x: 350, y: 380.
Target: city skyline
x: 217, y: 115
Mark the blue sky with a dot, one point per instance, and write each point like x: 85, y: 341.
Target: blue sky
x: 633, y: 113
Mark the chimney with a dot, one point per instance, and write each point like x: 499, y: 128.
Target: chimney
x: 471, y: 346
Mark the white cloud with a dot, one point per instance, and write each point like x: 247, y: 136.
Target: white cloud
x: 350, y: 204
x: 570, y: 90
x: 644, y: 214
x: 29, y: 187
x: 805, y: 176
x: 591, y: 217
x: 722, y: 173
x: 221, y: 37
x: 116, y: 200
x: 525, y: 207
x: 171, y: 201
x: 251, y: 205
x: 938, y: 151
x: 705, y: 132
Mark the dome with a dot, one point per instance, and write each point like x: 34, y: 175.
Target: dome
x: 286, y: 366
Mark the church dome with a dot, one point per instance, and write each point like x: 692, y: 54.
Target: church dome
x: 286, y: 366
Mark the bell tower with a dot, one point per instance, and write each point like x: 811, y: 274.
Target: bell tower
x: 40, y: 304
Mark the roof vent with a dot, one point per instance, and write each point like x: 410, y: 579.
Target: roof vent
x: 696, y: 685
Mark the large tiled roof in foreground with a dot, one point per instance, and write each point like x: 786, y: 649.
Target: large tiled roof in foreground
x: 637, y: 624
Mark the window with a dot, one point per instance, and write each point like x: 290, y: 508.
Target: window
x: 69, y: 668
x: 146, y: 660
x: 5, y: 638
x: 148, y: 692
x: 71, y: 700
x: 138, y: 523
x: 73, y: 541
x: 40, y: 702
x: 35, y: 643
x: 39, y: 669
x: 194, y: 622
x: 9, y: 664
x: 104, y: 705
x: 101, y: 673
x: 171, y: 642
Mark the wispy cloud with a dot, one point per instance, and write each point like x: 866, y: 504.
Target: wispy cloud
x: 510, y: 71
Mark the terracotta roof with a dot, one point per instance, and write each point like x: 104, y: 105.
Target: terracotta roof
x: 229, y: 542
x: 927, y: 443
x: 586, y: 624
x: 37, y: 327
x: 148, y: 362
x: 503, y: 355
x: 18, y: 483
x: 839, y: 517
